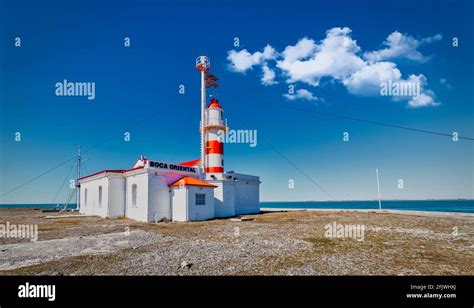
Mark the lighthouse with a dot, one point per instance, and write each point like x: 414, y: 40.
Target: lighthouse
x: 213, y: 127
x: 199, y: 189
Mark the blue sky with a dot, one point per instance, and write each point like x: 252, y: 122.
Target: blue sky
x: 137, y: 92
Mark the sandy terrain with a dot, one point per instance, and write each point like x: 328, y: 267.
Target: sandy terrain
x: 280, y: 243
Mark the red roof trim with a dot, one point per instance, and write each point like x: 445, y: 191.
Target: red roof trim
x: 132, y: 169
x: 189, y: 181
x: 190, y: 163
x: 110, y: 171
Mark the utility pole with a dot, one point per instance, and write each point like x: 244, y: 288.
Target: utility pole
x: 378, y: 188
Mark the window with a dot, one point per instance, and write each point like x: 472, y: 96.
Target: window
x: 100, y: 196
x: 134, y: 195
x: 200, y: 199
x: 85, y: 197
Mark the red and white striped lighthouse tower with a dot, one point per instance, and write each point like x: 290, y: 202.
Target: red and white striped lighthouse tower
x: 215, y: 129
x: 213, y: 126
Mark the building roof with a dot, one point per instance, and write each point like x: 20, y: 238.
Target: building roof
x: 110, y: 171
x: 190, y: 163
x: 189, y: 181
x: 214, y: 104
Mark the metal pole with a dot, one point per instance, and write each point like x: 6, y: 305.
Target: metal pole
x: 203, y: 108
x: 378, y: 188
x: 78, y: 190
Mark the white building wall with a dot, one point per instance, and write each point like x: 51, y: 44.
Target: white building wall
x: 90, y: 204
x: 159, y: 198
x: 247, y: 193
x: 139, y: 211
x: 179, y: 199
x: 84, y: 207
x: 116, y: 196
x: 247, y: 199
x: 223, y: 198
x: 200, y: 212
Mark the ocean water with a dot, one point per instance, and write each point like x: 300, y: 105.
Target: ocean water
x: 461, y: 206
x: 35, y: 206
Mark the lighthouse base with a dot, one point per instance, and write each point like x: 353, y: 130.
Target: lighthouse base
x: 235, y: 194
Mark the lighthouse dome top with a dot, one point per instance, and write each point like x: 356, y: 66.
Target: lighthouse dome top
x: 214, y: 104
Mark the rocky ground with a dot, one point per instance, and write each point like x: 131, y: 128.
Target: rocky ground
x: 280, y: 243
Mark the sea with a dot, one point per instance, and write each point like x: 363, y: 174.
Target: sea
x: 459, y: 206
x: 71, y: 206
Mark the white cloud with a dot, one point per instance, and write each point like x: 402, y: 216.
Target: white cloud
x: 301, y: 94
x: 268, y: 77
x: 303, y: 49
x: 427, y: 98
x: 400, y: 45
x: 339, y: 59
x: 269, y: 53
x: 335, y: 57
x: 423, y: 98
x: 432, y: 39
x: 444, y: 82
x: 367, y: 80
x: 243, y: 60
x: 371, y: 80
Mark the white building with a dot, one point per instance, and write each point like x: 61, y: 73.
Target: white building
x: 153, y: 191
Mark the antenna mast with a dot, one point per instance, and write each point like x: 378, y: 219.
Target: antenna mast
x: 78, y: 191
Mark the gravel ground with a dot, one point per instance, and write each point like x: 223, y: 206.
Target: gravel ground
x: 278, y: 243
